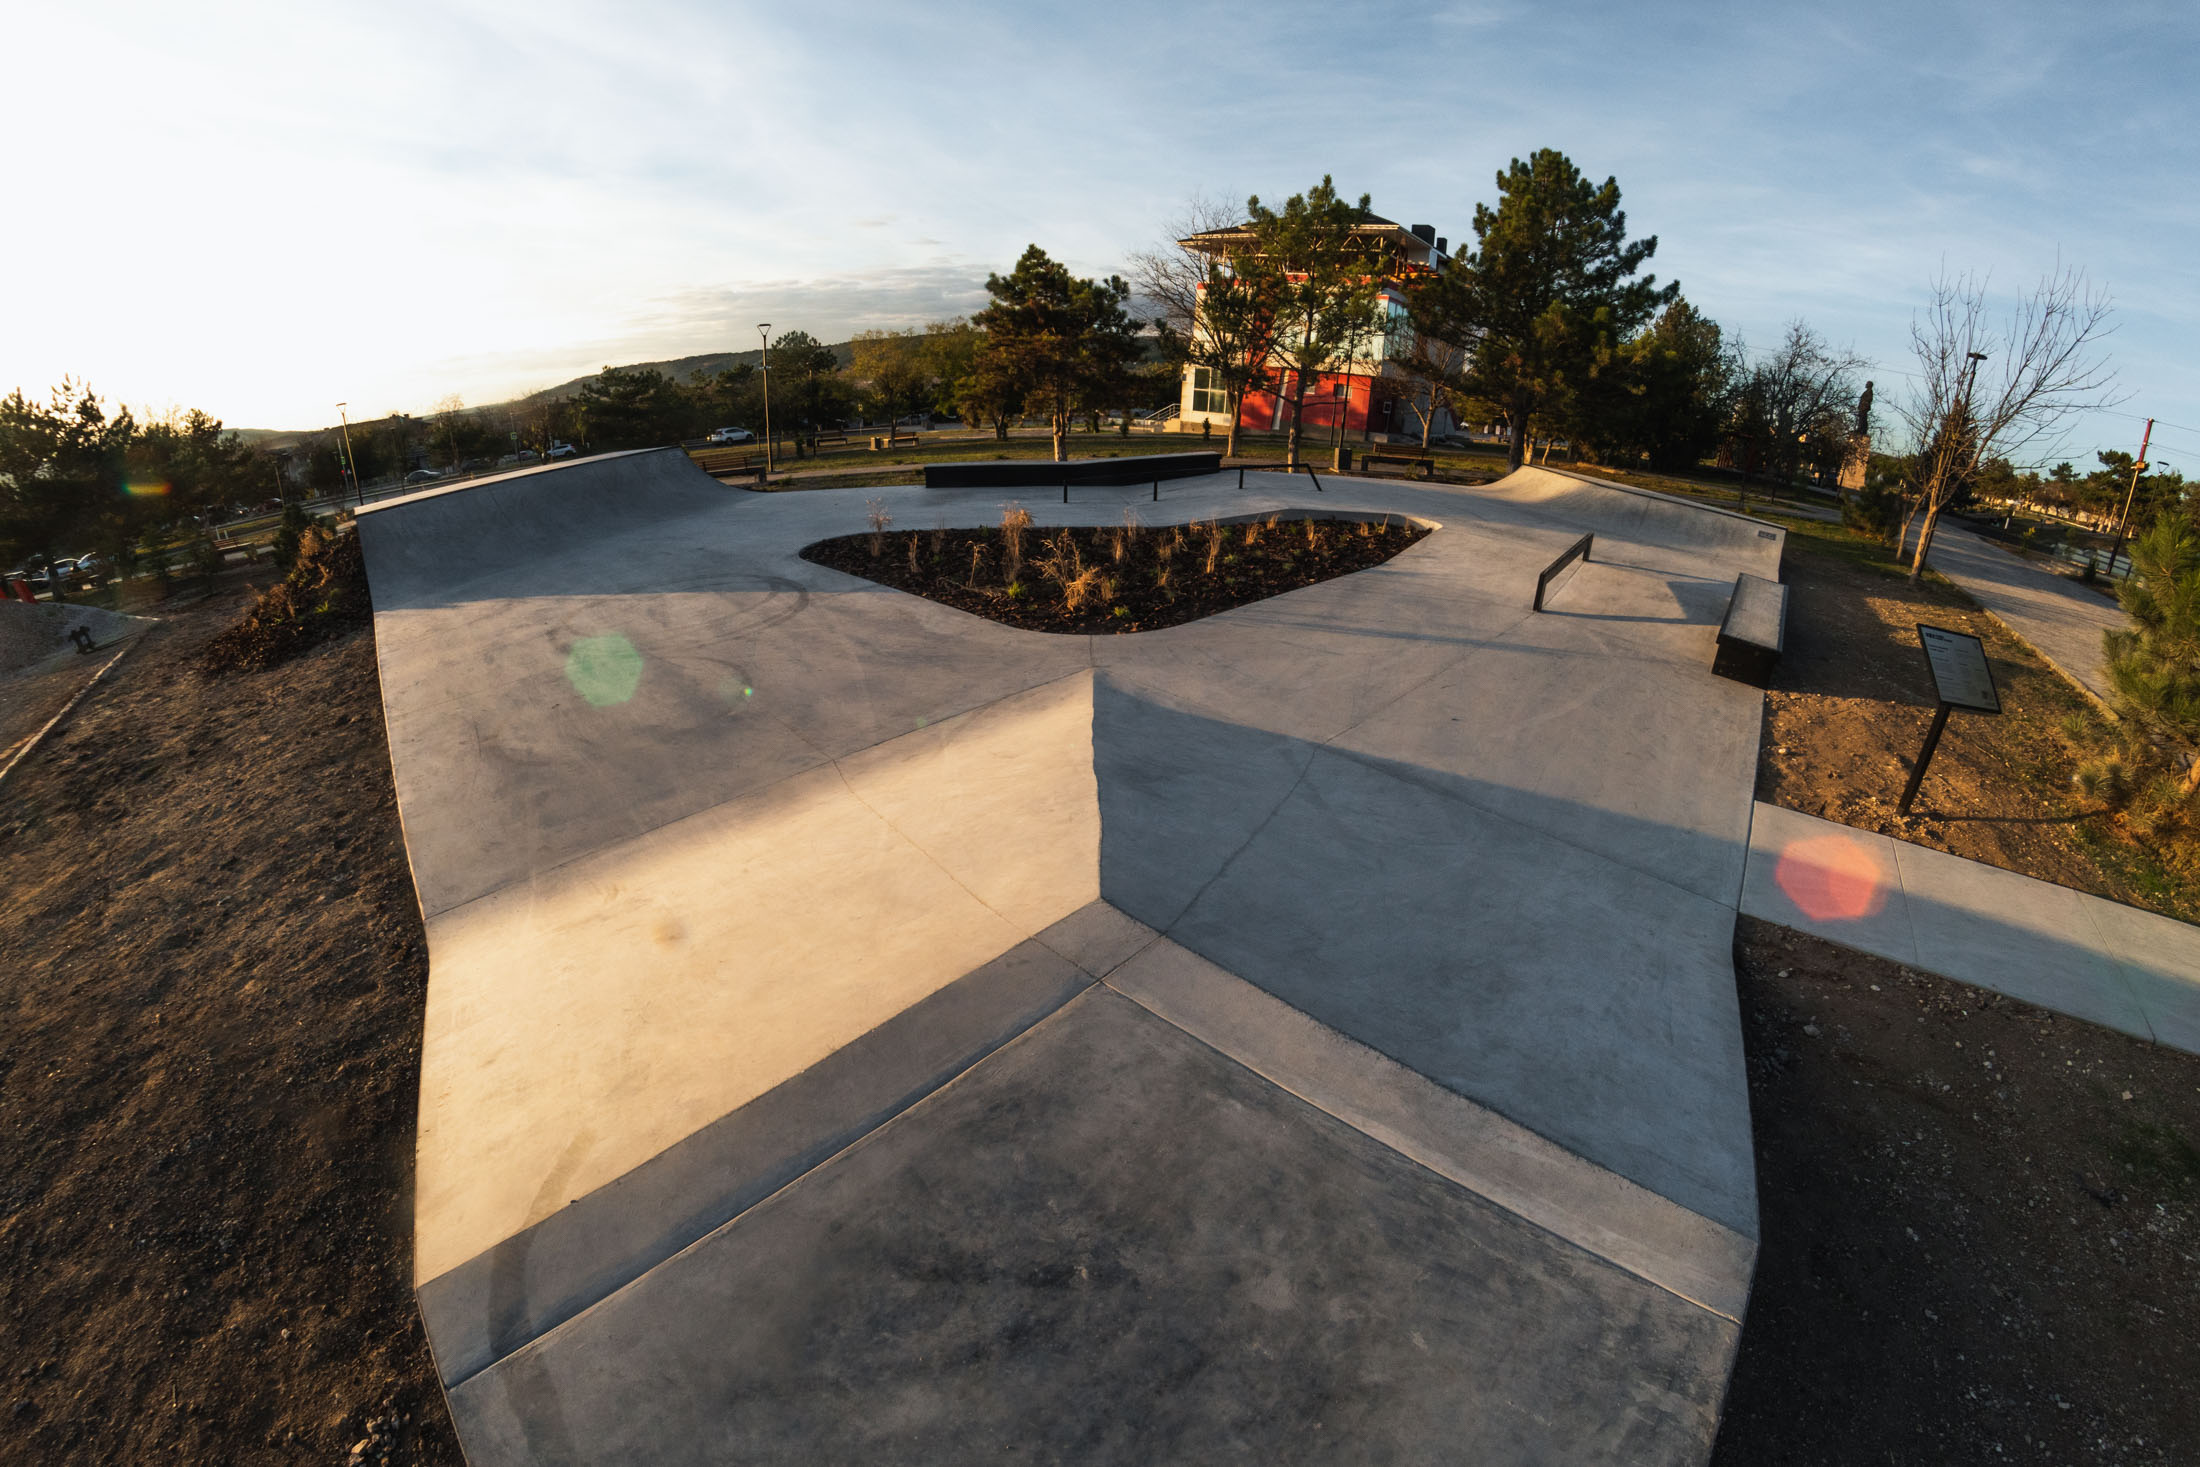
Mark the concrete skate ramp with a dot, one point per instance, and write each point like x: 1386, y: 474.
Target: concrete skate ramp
x: 860, y: 1029
x: 421, y: 544
x: 1642, y: 515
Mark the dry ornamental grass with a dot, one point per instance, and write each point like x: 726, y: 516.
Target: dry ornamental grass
x: 1114, y: 578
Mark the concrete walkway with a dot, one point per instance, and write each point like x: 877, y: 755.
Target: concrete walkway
x: 2048, y: 945
x: 2059, y: 617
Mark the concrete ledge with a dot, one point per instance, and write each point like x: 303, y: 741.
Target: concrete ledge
x: 1598, y: 1211
x: 497, y: 1301
x: 1023, y: 473
x: 2065, y: 950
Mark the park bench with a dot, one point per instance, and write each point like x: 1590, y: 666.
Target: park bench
x: 1753, y: 632
x: 728, y: 463
x: 1412, y: 463
x: 893, y: 440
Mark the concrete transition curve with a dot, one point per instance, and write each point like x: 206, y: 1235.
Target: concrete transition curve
x: 861, y: 1031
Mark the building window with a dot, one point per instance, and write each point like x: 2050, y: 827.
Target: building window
x: 1207, y: 393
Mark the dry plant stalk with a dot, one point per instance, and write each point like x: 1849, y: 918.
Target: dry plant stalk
x: 875, y: 512
x: 913, y: 567
x: 977, y: 563
x: 1252, y: 534
x: 939, y: 535
x: 1214, y: 533
x: 1015, y: 519
x: 1080, y: 588
x: 1133, y: 526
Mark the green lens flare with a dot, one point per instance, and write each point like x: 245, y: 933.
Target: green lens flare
x: 604, y: 670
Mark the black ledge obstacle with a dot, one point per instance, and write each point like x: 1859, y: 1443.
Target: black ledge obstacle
x: 1753, y: 633
x: 1579, y: 550
x: 1009, y: 473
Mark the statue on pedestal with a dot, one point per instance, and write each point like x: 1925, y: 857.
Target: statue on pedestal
x: 1858, y: 462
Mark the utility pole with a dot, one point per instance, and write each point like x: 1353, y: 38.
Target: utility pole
x: 351, y: 465
x: 2123, y: 523
x: 763, y: 337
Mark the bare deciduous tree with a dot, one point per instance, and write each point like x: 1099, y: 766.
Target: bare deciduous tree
x: 1209, y: 314
x: 1167, y: 278
x: 1804, y: 390
x: 1995, y: 385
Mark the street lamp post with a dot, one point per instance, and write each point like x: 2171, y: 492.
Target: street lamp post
x: 351, y: 465
x: 763, y: 338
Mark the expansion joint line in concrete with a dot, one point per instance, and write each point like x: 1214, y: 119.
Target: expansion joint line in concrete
x: 574, y: 1320
x: 1248, y: 1063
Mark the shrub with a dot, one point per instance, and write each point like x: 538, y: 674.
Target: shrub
x: 324, y: 595
x: 2154, y: 664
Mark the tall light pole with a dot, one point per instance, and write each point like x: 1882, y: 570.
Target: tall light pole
x: 350, y: 464
x: 763, y: 338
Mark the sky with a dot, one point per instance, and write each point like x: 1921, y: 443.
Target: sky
x: 264, y: 210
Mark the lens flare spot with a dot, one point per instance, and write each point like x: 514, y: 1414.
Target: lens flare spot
x: 734, y: 691
x: 1831, y: 879
x: 147, y: 489
x: 604, y: 670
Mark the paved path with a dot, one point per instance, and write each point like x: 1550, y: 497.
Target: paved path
x: 2048, y: 945
x: 2061, y: 618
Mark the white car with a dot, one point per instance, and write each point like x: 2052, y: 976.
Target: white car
x: 731, y: 435
x: 562, y: 450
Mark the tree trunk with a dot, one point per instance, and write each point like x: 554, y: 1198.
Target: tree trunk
x: 1298, y: 400
x: 1237, y: 404
x: 1428, y: 420
x: 1924, y: 541
x: 1516, y: 437
x: 1061, y: 435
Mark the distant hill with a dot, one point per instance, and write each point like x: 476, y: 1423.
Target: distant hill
x: 679, y: 369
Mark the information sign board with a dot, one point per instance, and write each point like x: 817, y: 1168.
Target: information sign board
x: 1961, y: 677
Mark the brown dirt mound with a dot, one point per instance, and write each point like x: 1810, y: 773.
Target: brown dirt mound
x: 1121, y: 578
x: 324, y: 594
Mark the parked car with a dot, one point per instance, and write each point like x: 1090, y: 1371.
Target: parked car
x: 91, y: 568
x: 562, y: 450
x: 422, y: 476
x: 731, y: 435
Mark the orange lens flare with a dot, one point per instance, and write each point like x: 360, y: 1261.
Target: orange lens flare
x: 150, y: 488
x: 1831, y: 879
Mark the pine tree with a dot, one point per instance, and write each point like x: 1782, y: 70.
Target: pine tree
x: 2154, y: 665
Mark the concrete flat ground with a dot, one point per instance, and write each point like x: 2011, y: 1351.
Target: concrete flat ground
x: 859, y: 1029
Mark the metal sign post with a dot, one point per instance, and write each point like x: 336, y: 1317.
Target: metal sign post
x: 1961, y: 679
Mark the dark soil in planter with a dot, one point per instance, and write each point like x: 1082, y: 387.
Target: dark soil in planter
x: 1115, y: 578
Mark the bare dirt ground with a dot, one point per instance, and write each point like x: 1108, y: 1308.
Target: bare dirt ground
x: 1848, y: 710
x: 1980, y: 1225
x: 211, y: 975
